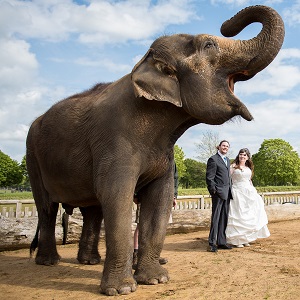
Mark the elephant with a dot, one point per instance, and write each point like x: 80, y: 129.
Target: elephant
x: 95, y: 149
x: 88, y: 245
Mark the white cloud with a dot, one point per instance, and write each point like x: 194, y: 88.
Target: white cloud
x: 232, y: 2
x: 272, y: 119
x: 245, y: 2
x: 36, y: 19
x: 130, y: 19
x: 292, y: 14
x: 281, y: 76
x: 137, y: 58
x: 25, y: 94
x: 98, y: 22
x: 104, y: 63
x: 17, y: 65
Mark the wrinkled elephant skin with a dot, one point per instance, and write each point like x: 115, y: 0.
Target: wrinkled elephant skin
x: 95, y: 149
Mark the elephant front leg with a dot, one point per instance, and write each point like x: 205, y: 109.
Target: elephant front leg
x: 156, y: 204
x: 88, y: 253
x: 117, y: 273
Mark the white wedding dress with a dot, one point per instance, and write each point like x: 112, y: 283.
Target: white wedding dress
x: 247, y: 219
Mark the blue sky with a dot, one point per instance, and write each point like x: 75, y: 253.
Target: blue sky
x: 51, y: 49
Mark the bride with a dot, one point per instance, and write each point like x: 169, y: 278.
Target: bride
x: 247, y: 219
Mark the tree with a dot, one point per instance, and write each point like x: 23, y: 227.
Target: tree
x: 179, y: 160
x: 276, y: 163
x: 208, y: 145
x: 10, y: 172
x: 25, y: 181
x: 195, y: 174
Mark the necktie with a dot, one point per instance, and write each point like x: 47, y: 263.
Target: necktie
x: 225, y: 160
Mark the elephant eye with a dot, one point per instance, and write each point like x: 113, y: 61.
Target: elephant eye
x: 209, y: 45
x: 168, y: 71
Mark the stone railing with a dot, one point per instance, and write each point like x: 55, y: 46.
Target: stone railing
x: 20, y: 209
x: 18, y: 218
x: 27, y: 209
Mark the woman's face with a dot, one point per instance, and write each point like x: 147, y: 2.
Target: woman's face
x: 243, y: 157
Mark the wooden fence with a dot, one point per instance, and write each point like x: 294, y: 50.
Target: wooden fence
x: 27, y: 209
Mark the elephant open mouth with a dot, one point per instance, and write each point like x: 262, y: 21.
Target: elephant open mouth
x: 231, y: 83
x: 232, y: 79
x: 240, y: 76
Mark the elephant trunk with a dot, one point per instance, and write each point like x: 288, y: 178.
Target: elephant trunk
x: 262, y: 49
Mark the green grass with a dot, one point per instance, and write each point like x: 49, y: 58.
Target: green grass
x: 204, y: 191
x: 196, y: 191
x: 8, y: 195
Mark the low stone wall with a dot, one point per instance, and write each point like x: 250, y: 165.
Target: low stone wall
x: 18, y: 233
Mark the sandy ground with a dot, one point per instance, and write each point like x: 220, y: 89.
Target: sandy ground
x: 269, y: 269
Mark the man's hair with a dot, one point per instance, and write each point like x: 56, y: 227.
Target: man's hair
x: 223, y: 142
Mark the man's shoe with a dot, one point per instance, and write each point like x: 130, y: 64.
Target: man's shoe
x: 162, y: 260
x: 226, y: 247
x: 212, y: 248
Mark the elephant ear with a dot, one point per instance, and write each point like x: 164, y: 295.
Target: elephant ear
x: 155, y: 79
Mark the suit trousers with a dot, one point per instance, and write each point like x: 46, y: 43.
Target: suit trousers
x: 219, y: 218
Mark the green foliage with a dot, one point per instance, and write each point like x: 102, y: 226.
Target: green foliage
x: 276, y: 163
x: 195, y: 174
x: 10, y: 172
x: 179, y: 160
x: 25, y: 182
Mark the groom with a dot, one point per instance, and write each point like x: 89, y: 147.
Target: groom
x: 219, y: 184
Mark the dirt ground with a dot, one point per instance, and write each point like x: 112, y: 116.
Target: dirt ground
x: 269, y: 269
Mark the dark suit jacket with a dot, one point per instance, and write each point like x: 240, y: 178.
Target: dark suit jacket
x: 218, y: 176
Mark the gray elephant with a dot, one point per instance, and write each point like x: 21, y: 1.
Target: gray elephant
x: 95, y: 149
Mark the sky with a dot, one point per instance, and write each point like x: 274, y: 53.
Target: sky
x: 52, y: 49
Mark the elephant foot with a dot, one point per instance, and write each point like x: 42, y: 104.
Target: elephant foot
x: 151, y: 275
x: 88, y: 257
x: 89, y: 260
x: 47, y: 260
x: 116, y: 287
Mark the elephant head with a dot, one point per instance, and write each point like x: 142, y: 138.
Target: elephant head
x: 198, y: 72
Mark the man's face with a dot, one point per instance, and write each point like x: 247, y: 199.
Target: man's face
x: 224, y: 147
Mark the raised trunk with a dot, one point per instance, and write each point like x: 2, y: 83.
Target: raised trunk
x: 261, y: 49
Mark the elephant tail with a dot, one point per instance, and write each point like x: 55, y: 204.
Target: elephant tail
x: 35, y: 241
x: 65, y: 225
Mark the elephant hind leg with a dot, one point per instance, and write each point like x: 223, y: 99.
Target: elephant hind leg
x: 47, y: 252
x: 88, y: 253
x: 47, y: 211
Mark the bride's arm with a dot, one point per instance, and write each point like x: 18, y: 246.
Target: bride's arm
x: 232, y: 169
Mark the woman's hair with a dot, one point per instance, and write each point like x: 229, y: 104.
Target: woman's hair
x: 249, y: 162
